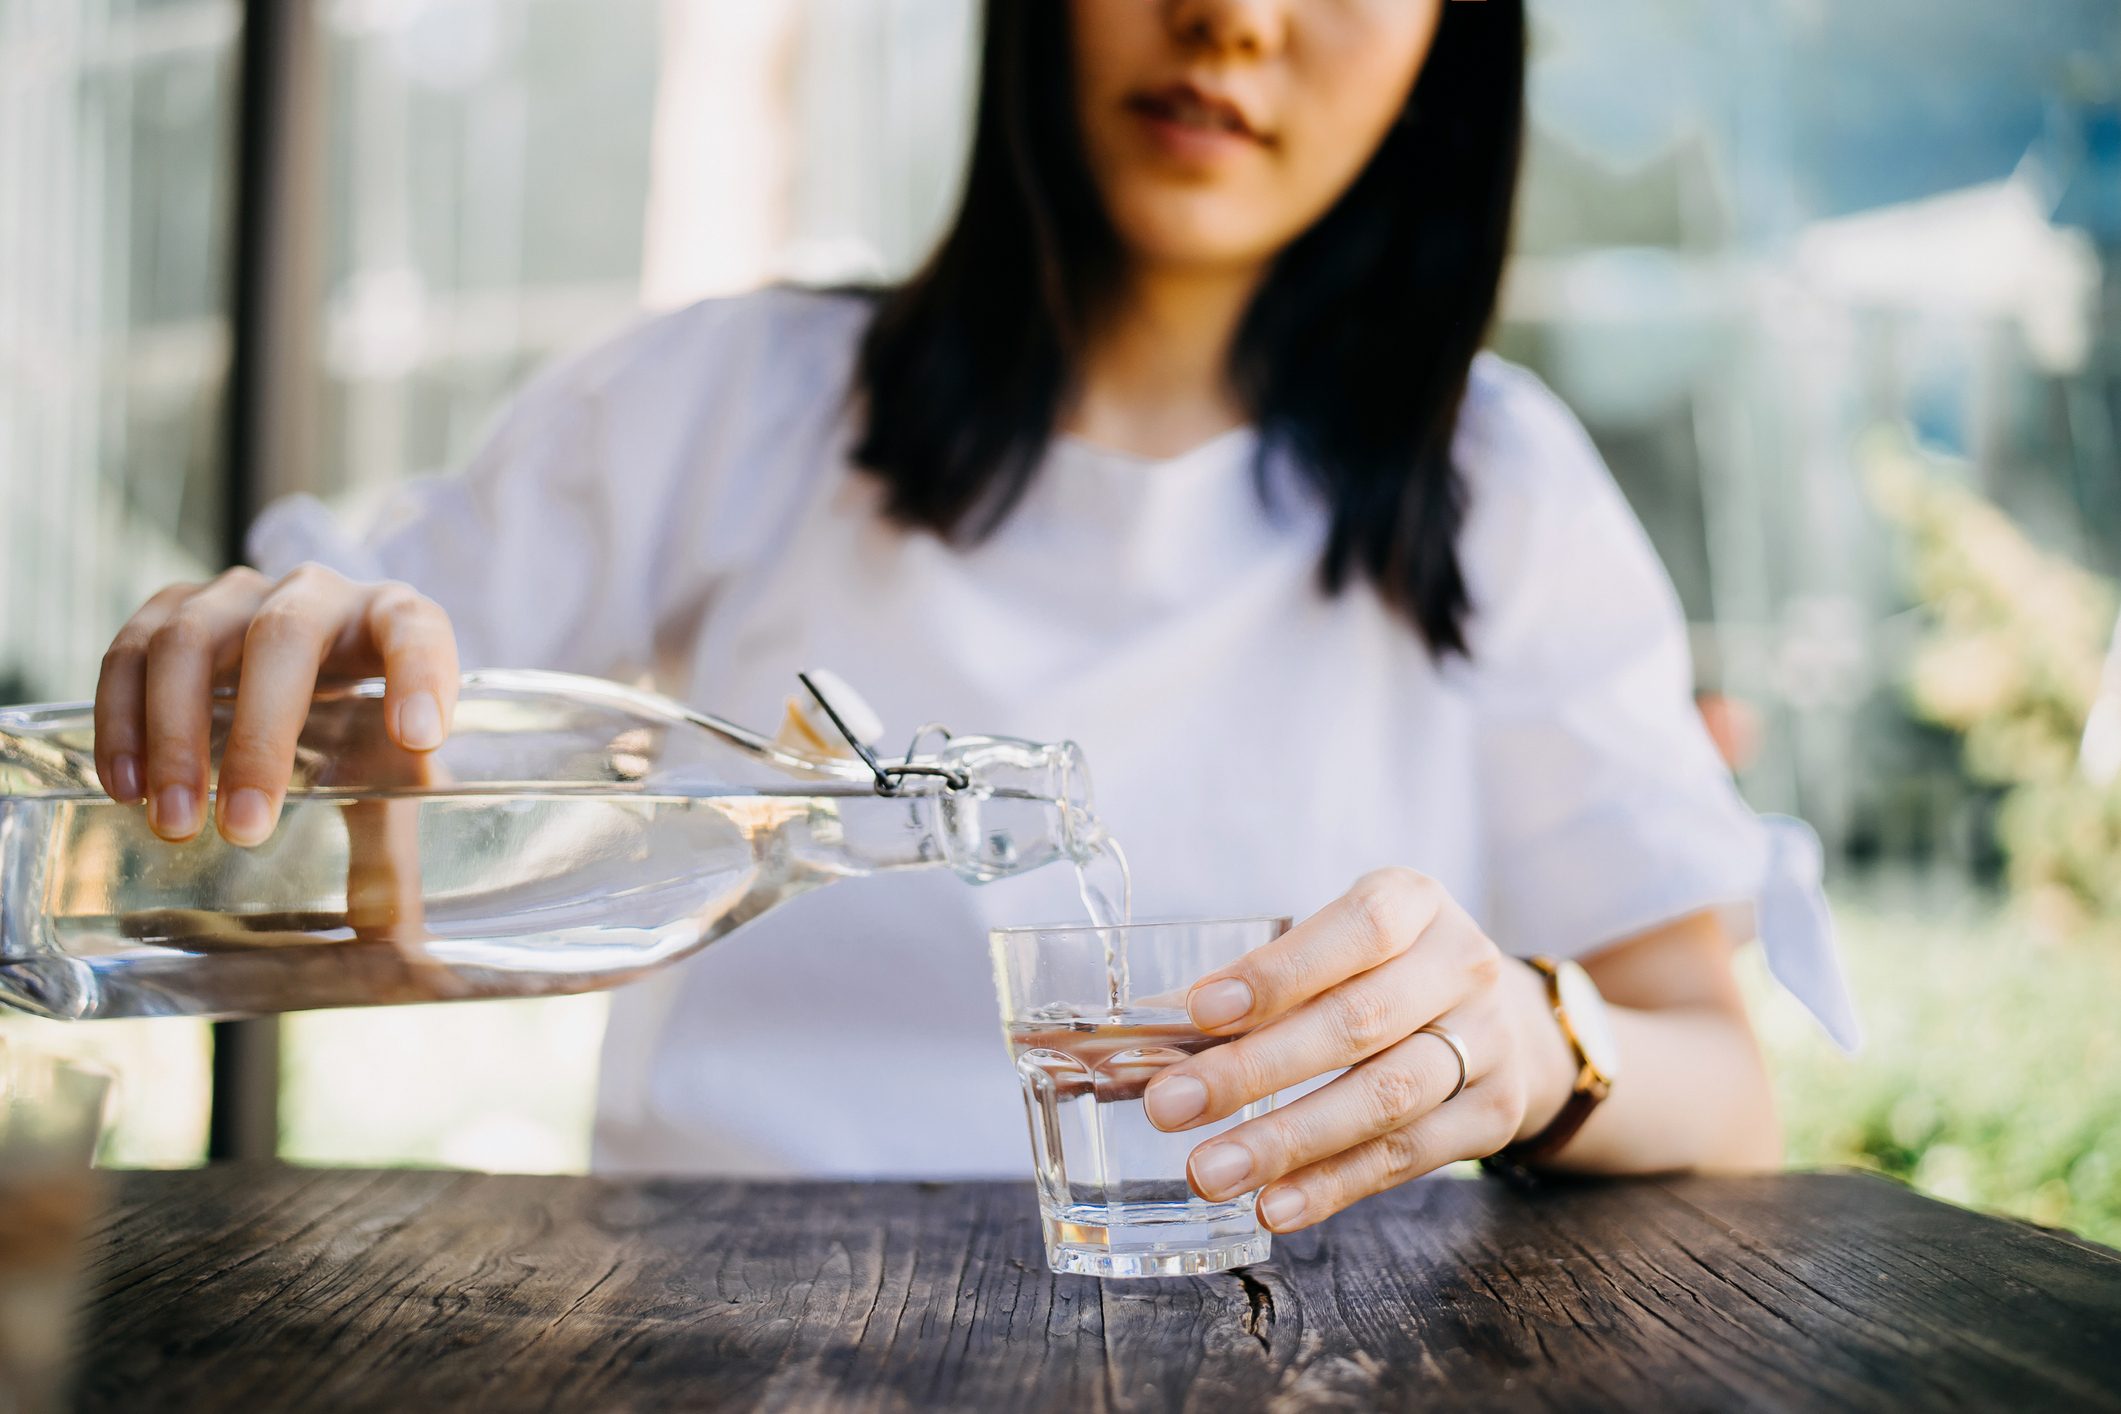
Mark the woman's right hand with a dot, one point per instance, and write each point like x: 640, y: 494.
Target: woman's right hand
x: 154, y: 700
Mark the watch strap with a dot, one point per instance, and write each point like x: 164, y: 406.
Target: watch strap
x: 1551, y: 1140
x: 1585, y: 1095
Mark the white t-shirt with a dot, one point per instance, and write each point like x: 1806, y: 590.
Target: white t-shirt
x: 680, y: 502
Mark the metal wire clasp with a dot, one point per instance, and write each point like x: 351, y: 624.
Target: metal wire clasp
x: 887, y: 777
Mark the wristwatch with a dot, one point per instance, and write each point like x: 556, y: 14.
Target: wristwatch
x: 1588, y: 1028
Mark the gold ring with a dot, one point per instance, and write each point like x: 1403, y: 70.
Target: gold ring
x: 1458, y: 1049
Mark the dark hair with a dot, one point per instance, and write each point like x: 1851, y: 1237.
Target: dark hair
x: 1353, y: 356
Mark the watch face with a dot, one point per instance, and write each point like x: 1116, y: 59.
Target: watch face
x: 1587, y: 1013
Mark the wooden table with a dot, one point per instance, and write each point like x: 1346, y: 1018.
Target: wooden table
x: 275, y: 1288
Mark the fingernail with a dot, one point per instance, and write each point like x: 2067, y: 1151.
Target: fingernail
x: 170, y: 812
x: 1221, y: 1168
x: 420, y: 722
x: 125, y: 778
x: 246, y: 816
x: 1281, y: 1208
x: 1173, y: 1100
x: 1219, y: 1003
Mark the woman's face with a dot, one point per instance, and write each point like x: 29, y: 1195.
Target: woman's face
x: 1218, y: 131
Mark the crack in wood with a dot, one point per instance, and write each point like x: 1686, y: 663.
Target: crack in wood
x: 1258, y: 1319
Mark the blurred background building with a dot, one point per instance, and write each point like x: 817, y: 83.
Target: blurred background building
x: 1767, y: 248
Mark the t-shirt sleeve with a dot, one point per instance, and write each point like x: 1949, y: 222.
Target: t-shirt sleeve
x: 612, y: 495
x: 1606, y: 808
x: 528, y: 548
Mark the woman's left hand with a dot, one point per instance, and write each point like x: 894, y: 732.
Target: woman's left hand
x: 1352, y: 986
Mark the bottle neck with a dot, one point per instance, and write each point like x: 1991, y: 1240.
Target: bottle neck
x: 979, y: 836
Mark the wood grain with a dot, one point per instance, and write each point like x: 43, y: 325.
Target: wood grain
x: 277, y: 1288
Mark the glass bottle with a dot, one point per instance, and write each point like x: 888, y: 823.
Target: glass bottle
x: 569, y: 836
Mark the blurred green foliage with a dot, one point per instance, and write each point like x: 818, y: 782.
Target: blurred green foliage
x: 2012, y: 662
x: 1991, y: 1071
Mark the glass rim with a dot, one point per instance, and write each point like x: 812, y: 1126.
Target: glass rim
x: 1147, y: 923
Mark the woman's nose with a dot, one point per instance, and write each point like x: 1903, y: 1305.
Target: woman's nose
x: 1248, y: 28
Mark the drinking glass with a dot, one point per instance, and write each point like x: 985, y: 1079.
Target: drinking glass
x: 51, y: 1118
x: 1091, y: 1015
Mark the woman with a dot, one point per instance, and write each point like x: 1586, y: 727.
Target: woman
x: 1180, y: 446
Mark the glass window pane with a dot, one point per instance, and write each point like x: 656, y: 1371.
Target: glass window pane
x: 114, y: 143
x: 486, y: 178
x: 493, y: 173
x: 486, y: 188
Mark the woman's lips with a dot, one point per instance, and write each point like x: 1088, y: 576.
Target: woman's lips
x: 1189, y: 122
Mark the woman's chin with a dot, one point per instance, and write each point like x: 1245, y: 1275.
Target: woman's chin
x: 1193, y: 231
